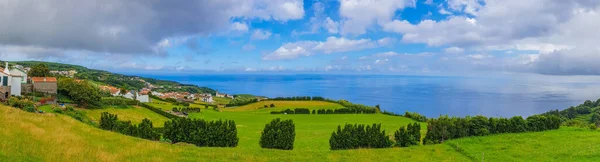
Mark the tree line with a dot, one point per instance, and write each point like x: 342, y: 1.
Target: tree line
x: 159, y: 111
x: 220, y: 133
x: 359, y: 136
x: 299, y: 98
x: 118, y: 101
x: 446, y: 128
x: 186, y: 109
x: 413, y: 115
x: 325, y: 111
x: 143, y: 130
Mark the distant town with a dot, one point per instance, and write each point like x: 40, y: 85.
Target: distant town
x: 16, y: 82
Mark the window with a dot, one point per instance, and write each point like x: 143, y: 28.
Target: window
x: 5, y: 81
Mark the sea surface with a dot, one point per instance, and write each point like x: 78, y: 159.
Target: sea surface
x: 507, y: 95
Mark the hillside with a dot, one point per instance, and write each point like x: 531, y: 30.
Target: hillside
x: 53, y: 137
x: 120, y: 80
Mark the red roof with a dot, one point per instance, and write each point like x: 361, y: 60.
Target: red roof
x: 43, y: 79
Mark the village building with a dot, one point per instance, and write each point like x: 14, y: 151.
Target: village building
x: 223, y: 95
x: 205, y: 97
x: 10, y: 84
x: 46, y: 85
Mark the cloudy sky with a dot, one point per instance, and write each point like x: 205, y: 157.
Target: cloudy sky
x: 458, y: 37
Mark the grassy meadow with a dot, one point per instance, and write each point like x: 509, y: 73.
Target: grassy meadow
x: 56, y: 137
x: 134, y: 114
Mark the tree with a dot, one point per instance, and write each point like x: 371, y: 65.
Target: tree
x: 278, y: 135
x: 39, y: 70
x: 82, y: 93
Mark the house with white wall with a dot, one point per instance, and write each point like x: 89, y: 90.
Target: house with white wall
x: 10, y: 83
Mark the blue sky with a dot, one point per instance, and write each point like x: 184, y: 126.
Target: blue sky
x: 423, y: 37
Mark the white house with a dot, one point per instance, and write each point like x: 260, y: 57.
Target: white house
x: 10, y: 83
x: 143, y: 96
x: 19, y: 72
x: 206, y: 97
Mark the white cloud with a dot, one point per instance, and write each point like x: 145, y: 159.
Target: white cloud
x: 454, y: 50
x: 331, y: 26
x: 240, y: 27
x: 359, y: 15
x: 330, y: 45
x: 261, y: 34
x: 129, y: 27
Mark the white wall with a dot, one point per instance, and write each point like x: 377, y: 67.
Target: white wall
x: 15, y: 89
x: 23, y: 75
x: 143, y: 98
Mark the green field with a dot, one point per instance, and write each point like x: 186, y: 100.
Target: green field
x: 282, y: 105
x: 55, y: 137
x: 133, y: 114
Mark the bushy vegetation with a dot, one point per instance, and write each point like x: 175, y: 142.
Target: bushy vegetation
x: 359, y: 136
x: 413, y: 115
x: 279, y: 134
x: 299, y: 98
x: 202, y: 133
x: 21, y: 103
x: 159, y: 111
x: 39, y: 70
x: 186, y: 109
x: 411, y: 135
x: 143, y: 130
x: 445, y: 128
x: 82, y: 93
x: 579, y: 116
x: 295, y: 111
x: 241, y: 101
x: 118, y: 101
x: 346, y: 111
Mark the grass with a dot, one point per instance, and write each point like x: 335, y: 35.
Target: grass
x: 133, y: 114
x: 54, y: 137
x: 564, y: 144
x: 221, y: 100
x: 282, y: 105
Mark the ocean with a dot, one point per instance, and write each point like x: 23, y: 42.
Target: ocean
x: 504, y: 96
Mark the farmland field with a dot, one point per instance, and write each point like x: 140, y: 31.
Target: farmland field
x: 56, y: 137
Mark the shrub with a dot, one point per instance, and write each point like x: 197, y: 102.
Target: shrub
x: 143, y: 130
x: 445, y: 128
x: 278, y: 135
x: 19, y: 102
x: 409, y: 136
x: 359, y: 136
x: 118, y: 101
x: 415, y: 116
x: 159, y: 111
x: 202, y: 133
x: 593, y: 126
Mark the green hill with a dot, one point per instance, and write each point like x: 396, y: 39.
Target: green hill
x: 119, y: 80
x: 55, y: 137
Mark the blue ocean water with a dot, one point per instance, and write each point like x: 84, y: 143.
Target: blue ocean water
x: 429, y: 95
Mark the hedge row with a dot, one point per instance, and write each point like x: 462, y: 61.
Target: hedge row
x: 359, y: 136
x: 186, y: 109
x: 295, y: 111
x: 325, y: 111
x: 278, y: 135
x: 159, y: 111
x: 118, y: 101
x: 445, y: 128
x: 299, y: 98
x: 202, y: 133
x: 411, y: 135
x: 345, y: 111
x: 413, y: 115
x: 143, y: 130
